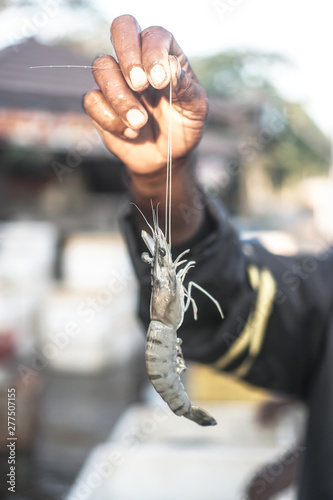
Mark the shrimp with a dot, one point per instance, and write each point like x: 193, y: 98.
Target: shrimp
x: 169, y: 301
x: 168, y: 304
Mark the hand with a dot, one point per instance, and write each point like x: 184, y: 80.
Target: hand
x: 130, y: 108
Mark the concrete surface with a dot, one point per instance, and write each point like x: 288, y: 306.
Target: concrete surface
x: 155, y: 455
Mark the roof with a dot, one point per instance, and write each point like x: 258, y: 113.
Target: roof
x: 55, y: 89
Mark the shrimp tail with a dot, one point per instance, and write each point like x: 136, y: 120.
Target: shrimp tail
x: 200, y: 416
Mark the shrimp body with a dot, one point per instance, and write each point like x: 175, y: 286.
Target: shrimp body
x: 164, y: 364
x: 169, y: 301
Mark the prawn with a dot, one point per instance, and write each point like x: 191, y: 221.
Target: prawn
x: 169, y: 302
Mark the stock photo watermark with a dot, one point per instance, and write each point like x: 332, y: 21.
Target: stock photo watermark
x: 130, y: 441
x: 293, y: 277
x: 84, y: 314
x: 272, y: 471
x: 252, y: 145
x: 249, y: 148
x: 11, y: 438
x: 302, y: 270
x: 225, y: 7
x: 75, y: 156
x: 30, y: 26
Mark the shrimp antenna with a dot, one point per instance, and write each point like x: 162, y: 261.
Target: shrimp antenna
x: 153, y: 212
x: 145, y: 219
x: 157, y: 214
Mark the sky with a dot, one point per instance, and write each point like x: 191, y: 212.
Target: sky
x: 299, y: 29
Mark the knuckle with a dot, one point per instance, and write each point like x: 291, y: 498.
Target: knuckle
x: 102, y: 62
x: 91, y: 99
x: 122, y: 23
x: 120, y: 100
x: 155, y: 32
x: 120, y: 20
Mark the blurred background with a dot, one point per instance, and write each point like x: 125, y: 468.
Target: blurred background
x: 69, y: 340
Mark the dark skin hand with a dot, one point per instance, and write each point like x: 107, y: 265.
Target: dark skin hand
x: 130, y: 108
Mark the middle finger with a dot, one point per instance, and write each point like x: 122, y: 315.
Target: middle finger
x: 125, y: 37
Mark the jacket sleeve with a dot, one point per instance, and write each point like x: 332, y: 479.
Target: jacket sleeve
x: 276, y: 308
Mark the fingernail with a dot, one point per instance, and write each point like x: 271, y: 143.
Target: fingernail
x: 135, y: 118
x: 158, y: 74
x: 138, y: 77
x: 129, y: 133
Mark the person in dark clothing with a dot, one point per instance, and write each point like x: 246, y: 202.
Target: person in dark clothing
x: 278, y: 326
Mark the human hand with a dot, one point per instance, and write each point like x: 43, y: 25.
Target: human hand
x: 130, y: 107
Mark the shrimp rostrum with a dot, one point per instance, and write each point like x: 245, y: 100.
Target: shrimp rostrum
x: 169, y: 301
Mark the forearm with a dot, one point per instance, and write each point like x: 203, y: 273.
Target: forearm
x: 187, y: 210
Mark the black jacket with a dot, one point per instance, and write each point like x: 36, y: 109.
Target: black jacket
x: 277, y: 309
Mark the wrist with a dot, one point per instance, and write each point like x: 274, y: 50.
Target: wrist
x: 187, y: 208
x: 151, y: 186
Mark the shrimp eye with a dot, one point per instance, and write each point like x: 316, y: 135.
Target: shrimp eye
x: 162, y: 251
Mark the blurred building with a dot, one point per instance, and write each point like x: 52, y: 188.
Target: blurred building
x: 254, y: 141
x: 44, y: 133
x: 226, y: 148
